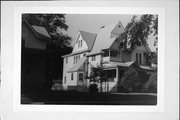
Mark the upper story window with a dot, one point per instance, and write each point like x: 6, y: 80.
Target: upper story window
x: 113, y: 53
x: 76, y: 58
x: 106, y: 53
x: 139, y: 58
x: 66, y: 60
x: 72, y: 76
x: 79, y: 43
x: 93, y: 58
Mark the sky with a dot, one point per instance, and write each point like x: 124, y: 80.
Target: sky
x: 93, y: 22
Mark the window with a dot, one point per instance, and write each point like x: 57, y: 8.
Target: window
x: 113, y: 53
x: 74, y: 59
x: 72, y: 76
x: 81, y: 43
x: 110, y: 75
x: 66, y: 60
x: 78, y: 57
x: 81, y: 77
x: 93, y: 58
x: 139, y: 58
x: 106, y: 53
x: 65, y: 80
x: 84, y: 54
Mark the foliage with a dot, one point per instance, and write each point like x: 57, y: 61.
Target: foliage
x: 137, y: 31
x: 134, y: 79
x: 59, y: 44
x: 151, y: 58
x: 50, y: 21
x: 93, y: 88
x: 151, y: 84
x: 97, y: 75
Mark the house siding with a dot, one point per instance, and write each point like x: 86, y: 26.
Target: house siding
x: 32, y: 41
x: 66, y: 67
x: 141, y: 50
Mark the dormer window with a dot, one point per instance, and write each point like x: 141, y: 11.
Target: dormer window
x: 79, y: 43
x: 139, y: 58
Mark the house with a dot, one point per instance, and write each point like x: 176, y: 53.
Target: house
x: 33, y: 56
x: 91, y: 50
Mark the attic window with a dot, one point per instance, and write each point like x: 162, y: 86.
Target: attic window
x: 79, y: 43
x: 119, y: 26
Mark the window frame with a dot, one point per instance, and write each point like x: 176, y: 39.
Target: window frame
x: 72, y: 76
x: 93, y: 58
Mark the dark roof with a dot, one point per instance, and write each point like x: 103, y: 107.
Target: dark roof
x: 40, y: 32
x: 89, y: 38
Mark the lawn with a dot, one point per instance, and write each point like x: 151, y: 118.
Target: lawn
x: 83, y: 98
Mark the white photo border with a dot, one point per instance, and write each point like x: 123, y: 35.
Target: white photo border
x: 18, y: 11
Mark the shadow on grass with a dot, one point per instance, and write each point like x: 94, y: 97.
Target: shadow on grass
x: 84, y: 98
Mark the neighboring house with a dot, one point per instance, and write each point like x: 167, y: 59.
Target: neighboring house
x: 34, y: 53
x: 91, y: 50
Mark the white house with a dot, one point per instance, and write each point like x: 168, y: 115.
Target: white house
x: 102, y: 48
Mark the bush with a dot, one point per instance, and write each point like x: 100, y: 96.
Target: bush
x: 93, y: 88
x: 134, y: 79
x: 151, y: 84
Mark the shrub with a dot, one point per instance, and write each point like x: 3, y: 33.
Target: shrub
x: 151, y: 84
x: 93, y: 88
x: 134, y: 79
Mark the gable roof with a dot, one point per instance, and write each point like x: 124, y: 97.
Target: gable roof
x: 39, y: 32
x: 89, y: 38
x: 104, y: 37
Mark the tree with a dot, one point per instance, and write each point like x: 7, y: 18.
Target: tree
x: 136, y: 34
x: 97, y: 75
x: 55, y: 24
x: 59, y: 44
x: 137, y: 31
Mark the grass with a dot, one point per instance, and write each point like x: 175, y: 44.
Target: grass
x: 84, y: 98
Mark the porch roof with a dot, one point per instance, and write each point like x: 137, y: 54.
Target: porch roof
x: 116, y: 64
x: 79, y: 66
x: 126, y: 64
